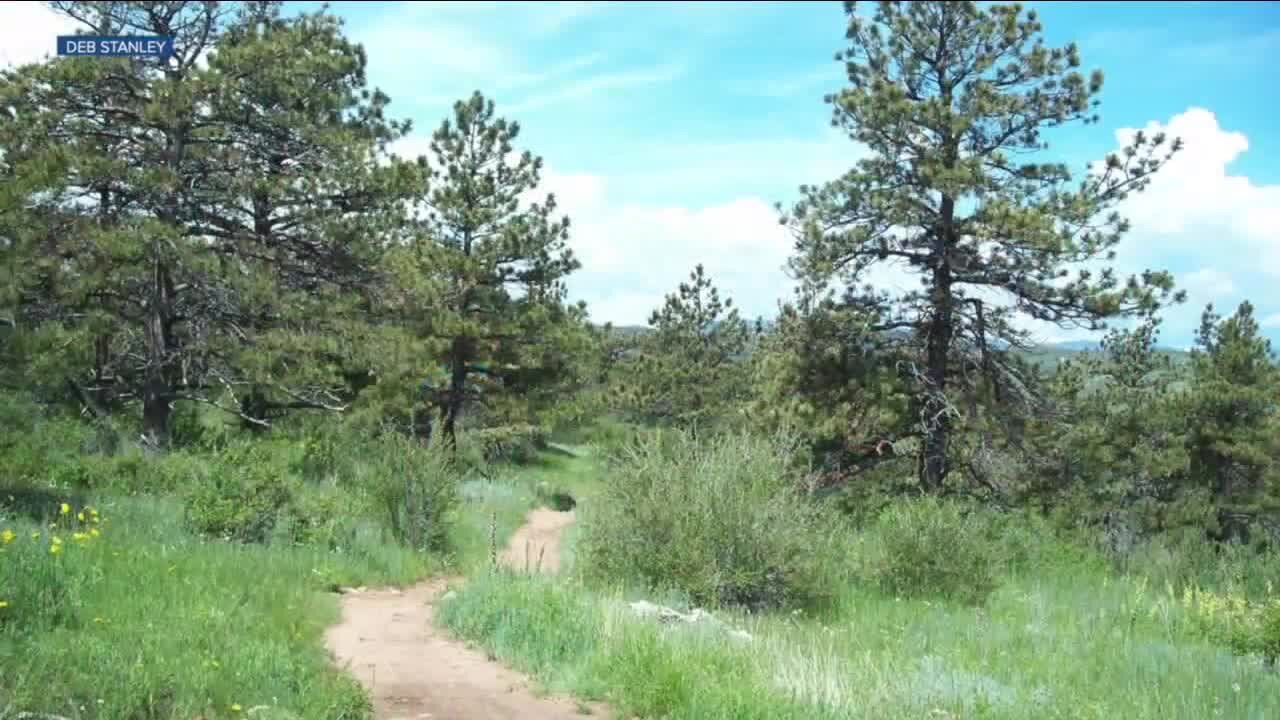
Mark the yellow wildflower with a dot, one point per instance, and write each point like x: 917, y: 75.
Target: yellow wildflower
x: 235, y: 707
x: 35, y: 535
x: 80, y: 516
x: 94, y: 532
x: 66, y: 509
x: 80, y: 537
x: 7, y: 536
x: 4, y: 604
x: 55, y: 549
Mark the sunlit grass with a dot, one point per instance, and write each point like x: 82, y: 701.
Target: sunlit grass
x: 162, y: 624
x: 1050, y: 648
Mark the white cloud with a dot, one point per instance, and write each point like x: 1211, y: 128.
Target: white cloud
x: 1207, y: 283
x: 29, y: 32
x: 453, y: 50
x: 1271, y: 321
x: 634, y: 254
x: 1195, y: 204
x: 1197, y: 214
x: 1217, y: 232
x: 578, y: 90
x: 465, y: 47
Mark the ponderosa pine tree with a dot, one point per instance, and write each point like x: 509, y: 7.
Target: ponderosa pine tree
x: 1234, y: 422
x: 1112, y: 451
x: 192, y: 207
x: 484, y: 276
x: 690, y: 368
x: 821, y: 375
x: 949, y: 98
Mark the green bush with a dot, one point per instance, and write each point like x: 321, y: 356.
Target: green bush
x: 242, y: 498
x: 415, y: 488
x: 321, y: 516
x: 933, y: 548
x: 324, y: 454
x: 1269, y: 643
x: 509, y: 443
x: 132, y: 472
x: 34, y: 440
x: 721, y: 521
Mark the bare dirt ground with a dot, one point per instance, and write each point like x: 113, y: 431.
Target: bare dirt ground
x: 412, y: 670
x: 536, y: 544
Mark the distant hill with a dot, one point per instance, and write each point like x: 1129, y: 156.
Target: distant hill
x: 1051, y: 354
x: 1047, y: 355
x: 1083, y: 345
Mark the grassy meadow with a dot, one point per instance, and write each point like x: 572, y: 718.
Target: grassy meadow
x: 200, y: 584
x: 1040, y: 625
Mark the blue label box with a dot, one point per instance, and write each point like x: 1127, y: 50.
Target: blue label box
x: 115, y: 46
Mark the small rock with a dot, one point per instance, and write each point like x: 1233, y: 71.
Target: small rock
x: 644, y: 608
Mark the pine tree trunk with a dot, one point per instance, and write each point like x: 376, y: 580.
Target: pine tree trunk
x: 457, y: 389
x: 157, y: 391
x: 933, y: 465
x: 937, y: 419
x: 102, y: 378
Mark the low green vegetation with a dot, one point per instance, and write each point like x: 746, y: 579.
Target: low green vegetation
x: 940, y: 608
x: 199, y: 584
x: 144, y: 618
x: 1067, y: 645
x: 719, y: 521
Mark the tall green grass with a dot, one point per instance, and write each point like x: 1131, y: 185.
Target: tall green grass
x: 937, y: 610
x: 164, y: 624
x: 209, y: 584
x: 1062, y: 647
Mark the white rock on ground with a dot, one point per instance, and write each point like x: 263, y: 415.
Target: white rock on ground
x: 663, y: 614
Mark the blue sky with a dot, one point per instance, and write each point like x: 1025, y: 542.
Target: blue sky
x: 670, y: 129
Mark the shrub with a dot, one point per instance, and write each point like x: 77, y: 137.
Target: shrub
x: 509, y: 443
x: 932, y: 548
x: 1228, y: 617
x: 721, y: 521
x: 1269, y: 637
x: 32, y: 441
x: 323, y: 455
x: 416, y: 490
x: 242, y: 497
x: 321, y: 516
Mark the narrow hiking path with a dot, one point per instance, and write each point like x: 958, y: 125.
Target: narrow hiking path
x: 413, y: 670
x: 535, y: 545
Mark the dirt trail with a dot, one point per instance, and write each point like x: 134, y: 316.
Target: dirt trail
x: 536, y: 544
x: 388, y: 641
